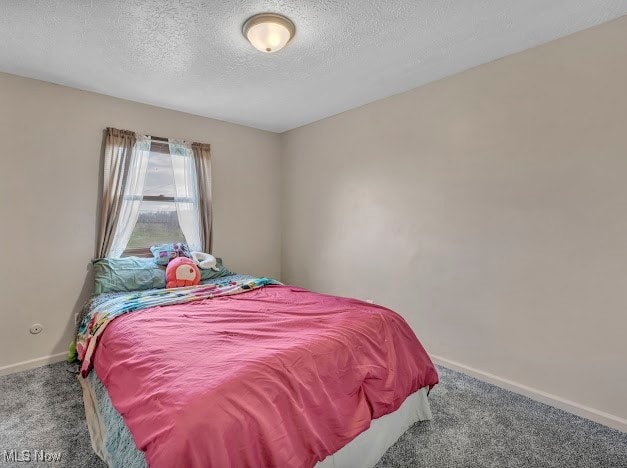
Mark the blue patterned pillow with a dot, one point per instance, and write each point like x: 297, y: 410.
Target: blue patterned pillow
x: 127, y: 274
x: 163, y: 253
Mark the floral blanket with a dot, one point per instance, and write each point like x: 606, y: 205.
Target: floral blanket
x: 102, y: 309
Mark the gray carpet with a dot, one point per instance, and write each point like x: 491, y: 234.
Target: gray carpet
x: 475, y: 425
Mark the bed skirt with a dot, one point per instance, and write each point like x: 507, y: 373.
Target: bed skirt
x: 113, y: 443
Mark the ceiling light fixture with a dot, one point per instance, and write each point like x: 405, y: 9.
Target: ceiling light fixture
x: 268, y: 32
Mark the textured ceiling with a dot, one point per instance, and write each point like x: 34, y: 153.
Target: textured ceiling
x: 191, y: 56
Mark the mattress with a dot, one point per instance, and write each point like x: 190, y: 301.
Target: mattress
x: 113, y: 442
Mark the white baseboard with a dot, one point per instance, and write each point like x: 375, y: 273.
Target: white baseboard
x: 32, y: 363
x: 595, y: 415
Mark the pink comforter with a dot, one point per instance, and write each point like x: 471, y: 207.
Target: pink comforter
x: 278, y: 376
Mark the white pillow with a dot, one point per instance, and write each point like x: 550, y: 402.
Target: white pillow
x: 204, y: 260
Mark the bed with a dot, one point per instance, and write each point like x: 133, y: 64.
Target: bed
x: 245, y: 371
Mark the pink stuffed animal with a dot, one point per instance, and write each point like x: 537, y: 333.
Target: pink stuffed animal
x: 181, y: 271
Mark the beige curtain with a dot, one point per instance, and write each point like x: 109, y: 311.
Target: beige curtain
x: 118, y: 152
x: 202, y: 160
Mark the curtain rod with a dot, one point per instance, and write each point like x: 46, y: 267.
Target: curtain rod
x: 164, y: 141
x: 157, y: 139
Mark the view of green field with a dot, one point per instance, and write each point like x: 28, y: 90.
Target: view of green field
x: 157, y: 227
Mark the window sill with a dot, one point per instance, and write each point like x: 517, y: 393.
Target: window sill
x: 138, y: 252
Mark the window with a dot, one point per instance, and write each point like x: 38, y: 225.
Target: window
x: 157, y: 221
x: 154, y: 191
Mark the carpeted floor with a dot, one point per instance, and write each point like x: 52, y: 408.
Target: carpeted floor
x: 475, y: 425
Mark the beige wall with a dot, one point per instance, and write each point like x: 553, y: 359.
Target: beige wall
x: 50, y: 146
x: 490, y: 209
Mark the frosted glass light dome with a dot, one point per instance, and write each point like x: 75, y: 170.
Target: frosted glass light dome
x: 268, y: 32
